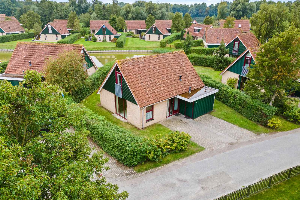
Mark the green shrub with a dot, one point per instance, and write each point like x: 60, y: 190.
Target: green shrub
x: 163, y: 43
x: 70, y: 39
x: 3, y: 66
x: 135, y: 36
x: 114, y: 40
x: 158, y: 51
x: 197, y: 43
x: 208, y: 61
x: 203, y: 51
x: 121, y: 41
x: 84, y: 31
x: 231, y: 82
x: 252, y: 109
x: 274, y: 123
x: 14, y: 37
x: 292, y: 114
x: 86, y: 37
x: 178, y: 45
x: 94, y: 39
x: 170, y: 39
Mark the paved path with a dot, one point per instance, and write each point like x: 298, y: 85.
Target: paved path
x: 203, y: 176
x: 210, y: 132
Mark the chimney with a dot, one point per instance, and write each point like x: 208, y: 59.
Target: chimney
x: 180, y: 77
x: 190, y: 90
x: 29, y: 63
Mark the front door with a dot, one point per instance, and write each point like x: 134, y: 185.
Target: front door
x: 121, y: 107
x: 173, y: 107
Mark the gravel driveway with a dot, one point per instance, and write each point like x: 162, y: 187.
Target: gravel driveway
x: 209, y: 131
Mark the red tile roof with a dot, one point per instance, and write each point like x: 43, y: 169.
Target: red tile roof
x: 97, y: 24
x: 60, y: 25
x: 37, y: 54
x: 249, y: 40
x: 162, y: 25
x: 135, y: 24
x: 155, y: 78
x: 243, y: 24
x: 216, y: 35
x: 10, y: 24
x: 197, y: 34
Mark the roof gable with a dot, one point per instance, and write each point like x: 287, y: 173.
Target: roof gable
x: 216, y: 35
x: 97, y: 24
x: 11, y: 26
x: 202, y: 27
x: 100, y: 31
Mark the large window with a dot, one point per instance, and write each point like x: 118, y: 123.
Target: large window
x: 235, y: 47
x: 149, y: 113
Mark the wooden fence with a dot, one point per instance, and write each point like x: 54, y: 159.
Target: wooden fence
x: 262, y: 184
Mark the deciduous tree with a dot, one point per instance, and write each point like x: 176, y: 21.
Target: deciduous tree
x: 223, y: 11
x: 187, y: 45
x: 177, y: 23
x: 229, y: 22
x: 113, y: 21
x: 73, y: 22
x: 29, y: 19
x: 150, y: 21
x: 121, y: 25
x: 208, y: 20
x: 187, y: 20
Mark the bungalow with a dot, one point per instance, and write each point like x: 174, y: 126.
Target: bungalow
x: 135, y: 26
x: 33, y: 56
x: 55, y: 30
x: 214, y: 36
x: 9, y: 25
x: 240, y: 67
x: 242, y: 24
x: 146, y: 90
x: 197, y: 31
x: 242, y: 42
x: 159, y: 30
x: 102, y: 30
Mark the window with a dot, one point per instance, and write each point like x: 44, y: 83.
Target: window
x: 235, y: 47
x: 45, y: 37
x: 158, y: 37
x: 247, y: 62
x: 149, y: 113
x: 56, y: 37
x: 118, y: 78
x: 153, y: 29
x: 103, y: 30
x: 49, y: 29
x: 149, y: 37
x: 110, y: 38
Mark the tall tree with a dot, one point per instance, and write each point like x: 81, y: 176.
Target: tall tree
x: 269, y: 20
x: 240, y: 8
x: 277, y: 67
x: 220, y: 53
x: 187, y: 45
x: 73, y: 22
x: 150, y: 21
x: 295, y: 14
x: 187, y: 20
x: 29, y: 19
x: 121, y: 25
x: 85, y: 19
x: 222, y: 10
x: 208, y: 20
x: 113, y: 21
x: 229, y: 22
x: 177, y: 23
x: 126, y: 11
x: 151, y: 8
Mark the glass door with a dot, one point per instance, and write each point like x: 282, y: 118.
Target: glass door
x: 173, y: 107
x: 121, y: 107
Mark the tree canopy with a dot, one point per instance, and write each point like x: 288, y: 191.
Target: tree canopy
x: 150, y: 21
x: 29, y: 19
x: 187, y: 20
x: 229, y: 22
x: 73, y: 22
x: 177, y: 23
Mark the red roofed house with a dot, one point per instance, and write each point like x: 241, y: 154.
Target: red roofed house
x: 159, y: 30
x: 33, y: 56
x: 146, y: 90
x: 103, y: 30
x: 197, y: 31
x: 214, y: 36
x: 9, y: 25
x: 135, y: 26
x: 55, y: 30
x: 243, y: 24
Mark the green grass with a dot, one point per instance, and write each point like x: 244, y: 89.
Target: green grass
x: 108, y: 57
x: 210, y: 72
x: 13, y: 44
x: 5, y: 56
x: 92, y: 102
x: 228, y: 114
x: 287, y: 190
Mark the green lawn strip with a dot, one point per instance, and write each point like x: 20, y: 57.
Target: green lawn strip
x: 210, y: 72
x: 13, y: 44
x: 228, y: 114
x: 5, y: 56
x: 138, y: 43
x: 93, y: 103
x: 286, y: 190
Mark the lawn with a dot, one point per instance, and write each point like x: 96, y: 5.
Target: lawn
x: 13, y: 44
x: 92, y: 102
x: 287, y: 190
x: 210, y: 72
x: 5, y: 56
x: 228, y: 114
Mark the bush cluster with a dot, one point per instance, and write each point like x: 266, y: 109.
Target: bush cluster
x: 274, y: 123
x: 70, y: 39
x: 197, y: 43
x: 120, y: 143
x: 208, y: 61
x: 178, y: 45
x: 3, y: 66
x: 203, y: 51
x: 252, y: 109
x: 231, y: 82
x: 158, y: 51
x: 170, y: 39
x: 14, y: 37
x: 121, y: 40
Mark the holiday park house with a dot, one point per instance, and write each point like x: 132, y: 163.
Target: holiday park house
x: 10, y: 25
x: 242, y: 24
x: 197, y: 31
x: 214, y: 36
x: 135, y: 26
x: 159, y: 30
x: 55, y: 31
x: 102, y: 30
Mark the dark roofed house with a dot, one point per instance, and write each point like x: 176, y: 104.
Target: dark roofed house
x: 103, y: 30
x: 197, y: 31
x: 135, y: 26
x: 33, y: 56
x: 55, y: 30
x: 242, y: 24
x: 214, y: 36
x: 146, y: 90
x: 159, y: 30
x: 9, y: 25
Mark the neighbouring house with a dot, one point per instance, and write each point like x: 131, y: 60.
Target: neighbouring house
x: 239, y: 68
x: 242, y: 42
x: 149, y: 89
x: 10, y: 25
x: 214, y: 36
x: 242, y: 24
x: 33, y: 56
x: 197, y: 31
x: 102, y: 30
x: 55, y: 31
x: 135, y: 26
x: 195, y: 22
x: 159, y: 30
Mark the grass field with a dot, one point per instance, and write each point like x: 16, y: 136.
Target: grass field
x: 13, y: 44
x: 210, y: 72
x: 5, y: 56
x: 92, y: 102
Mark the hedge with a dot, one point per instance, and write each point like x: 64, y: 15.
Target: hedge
x: 14, y: 37
x: 120, y: 143
x: 202, y: 50
x: 70, y: 39
x: 197, y: 43
x: 178, y: 45
x: 121, y: 40
x: 250, y: 108
x: 170, y: 39
x: 208, y: 61
x: 3, y: 66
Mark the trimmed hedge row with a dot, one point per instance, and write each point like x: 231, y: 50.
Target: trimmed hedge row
x: 170, y: 39
x: 178, y: 45
x: 121, y: 40
x: 14, y: 37
x: 197, y: 43
x: 126, y: 147
x: 3, y: 66
x: 202, y: 50
x: 252, y: 109
x: 208, y: 61
x: 70, y: 39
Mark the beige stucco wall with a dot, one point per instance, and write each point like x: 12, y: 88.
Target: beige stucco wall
x: 153, y: 37
x: 134, y: 114
x: 132, y: 30
x: 107, y: 100
x: 91, y: 70
x: 227, y: 75
x: 2, y: 34
x: 102, y: 36
x: 159, y: 111
x: 50, y: 37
